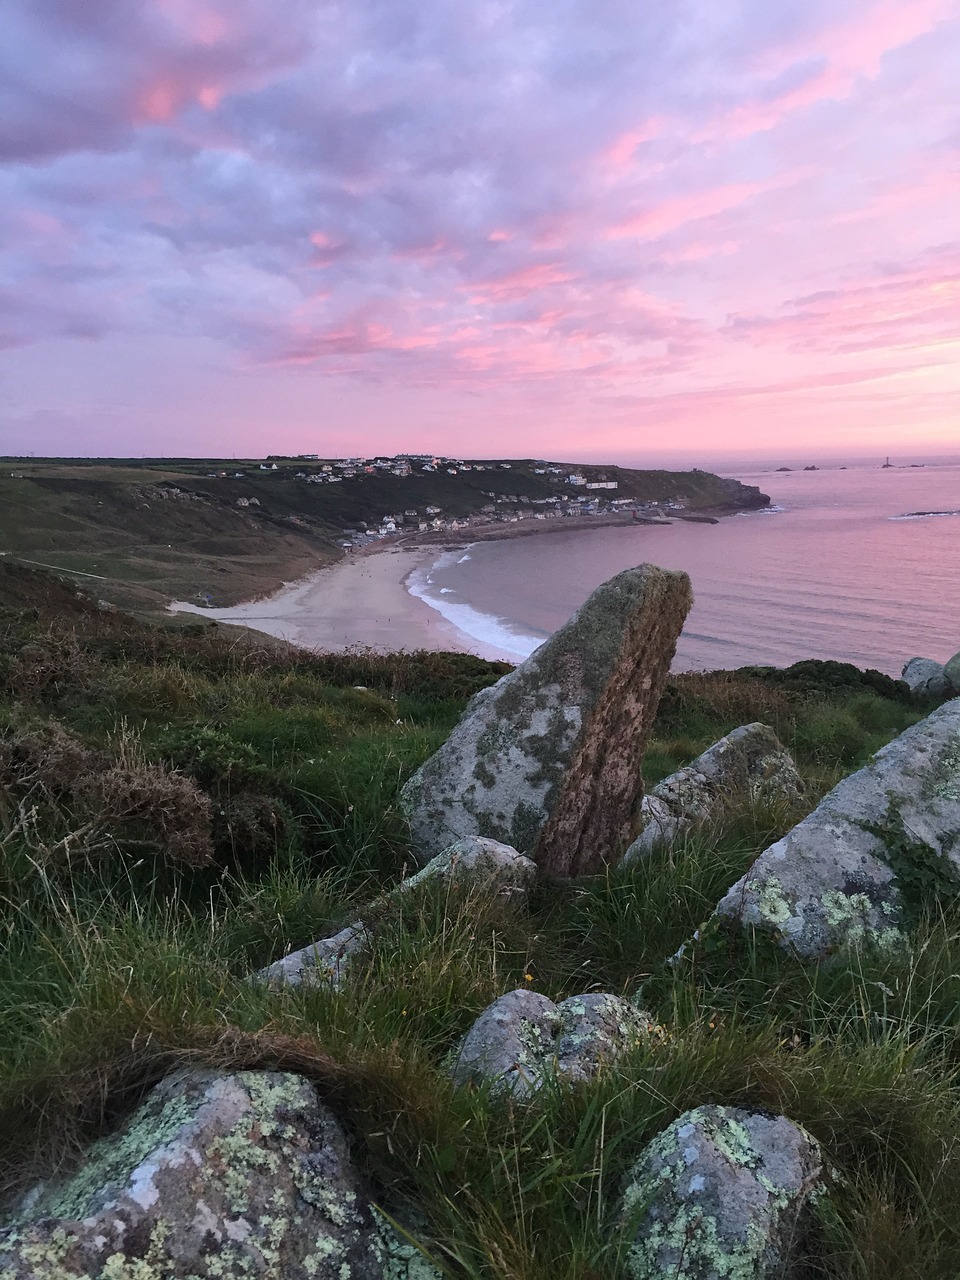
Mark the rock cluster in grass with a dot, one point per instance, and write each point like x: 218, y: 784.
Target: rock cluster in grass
x: 248, y: 1173
x: 926, y: 678
x: 216, y: 1175
x: 748, y: 766
x: 719, y: 1193
x: 484, y: 864
x: 839, y: 877
x: 929, y: 679
x: 548, y: 759
x: 523, y: 1037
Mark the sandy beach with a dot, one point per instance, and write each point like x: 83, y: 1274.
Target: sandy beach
x: 359, y: 602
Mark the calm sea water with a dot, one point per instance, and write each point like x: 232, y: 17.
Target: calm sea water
x: 838, y: 568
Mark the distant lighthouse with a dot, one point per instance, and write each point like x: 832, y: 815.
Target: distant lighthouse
x: 887, y: 464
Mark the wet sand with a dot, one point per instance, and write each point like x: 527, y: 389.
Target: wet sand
x: 359, y: 602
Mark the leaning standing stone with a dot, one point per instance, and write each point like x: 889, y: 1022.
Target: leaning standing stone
x: 548, y: 759
x: 717, y: 1194
x: 244, y: 1174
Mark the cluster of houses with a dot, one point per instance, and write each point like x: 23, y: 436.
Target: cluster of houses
x: 500, y: 511
x: 350, y: 468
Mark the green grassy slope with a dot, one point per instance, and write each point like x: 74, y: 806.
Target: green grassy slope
x: 137, y: 548
x: 145, y: 533
x: 177, y: 809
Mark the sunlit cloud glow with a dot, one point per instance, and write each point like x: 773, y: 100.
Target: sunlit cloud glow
x: 492, y: 228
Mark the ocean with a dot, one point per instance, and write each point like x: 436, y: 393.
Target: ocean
x: 861, y: 565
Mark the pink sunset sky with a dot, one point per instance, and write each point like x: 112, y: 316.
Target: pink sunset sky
x: 491, y: 227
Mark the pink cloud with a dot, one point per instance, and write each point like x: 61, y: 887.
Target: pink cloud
x: 674, y: 212
x: 619, y: 155
x: 205, y: 24
x: 519, y: 283
x: 897, y: 310
x: 851, y: 51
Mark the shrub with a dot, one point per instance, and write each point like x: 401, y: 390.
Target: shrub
x: 90, y: 803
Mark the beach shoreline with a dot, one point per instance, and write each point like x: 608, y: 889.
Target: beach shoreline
x: 363, y: 600
x: 359, y: 602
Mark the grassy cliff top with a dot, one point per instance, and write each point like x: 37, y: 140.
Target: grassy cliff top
x: 139, y: 533
x: 178, y: 809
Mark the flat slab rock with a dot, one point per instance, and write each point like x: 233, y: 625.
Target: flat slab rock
x: 523, y: 1036
x: 485, y: 864
x: 548, y: 759
x: 216, y: 1175
x: 749, y: 764
x: 718, y: 1194
x: 829, y: 882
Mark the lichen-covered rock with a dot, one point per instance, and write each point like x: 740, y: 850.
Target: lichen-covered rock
x: 215, y: 1176
x: 548, y: 759
x: 951, y: 671
x: 510, y: 1043
x: 716, y: 1196
x: 523, y: 1036
x: 326, y: 960
x: 595, y: 1029
x: 832, y: 880
x: 486, y: 864
x: 748, y: 765
x: 926, y: 678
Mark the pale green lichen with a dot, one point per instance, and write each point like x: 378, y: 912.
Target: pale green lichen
x: 680, y: 1236
x: 848, y: 914
x: 110, y: 1159
x: 945, y: 776
x: 246, y: 1213
x: 772, y: 906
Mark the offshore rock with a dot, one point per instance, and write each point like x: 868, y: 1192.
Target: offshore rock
x: 718, y: 1193
x: 523, y: 1036
x: 749, y: 765
x: 244, y: 1174
x: 548, y: 759
x: 485, y: 864
x: 832, y: 880
x: 926, y: 678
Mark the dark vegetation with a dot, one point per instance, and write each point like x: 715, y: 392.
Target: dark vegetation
x: 179, y: 806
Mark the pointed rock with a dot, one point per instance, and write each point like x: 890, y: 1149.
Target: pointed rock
x: 485, y: 864
x: 548, y: 759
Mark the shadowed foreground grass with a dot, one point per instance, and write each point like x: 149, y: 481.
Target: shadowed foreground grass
x: 126, y: 949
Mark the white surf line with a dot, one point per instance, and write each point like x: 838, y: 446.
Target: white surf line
x: 101, y: 577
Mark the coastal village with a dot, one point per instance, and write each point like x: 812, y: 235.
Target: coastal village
x: 577, y: 493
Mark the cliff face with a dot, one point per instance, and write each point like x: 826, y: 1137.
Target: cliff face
x: 745, y: 497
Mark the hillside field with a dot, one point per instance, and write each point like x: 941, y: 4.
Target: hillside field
x: 180, y: 806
